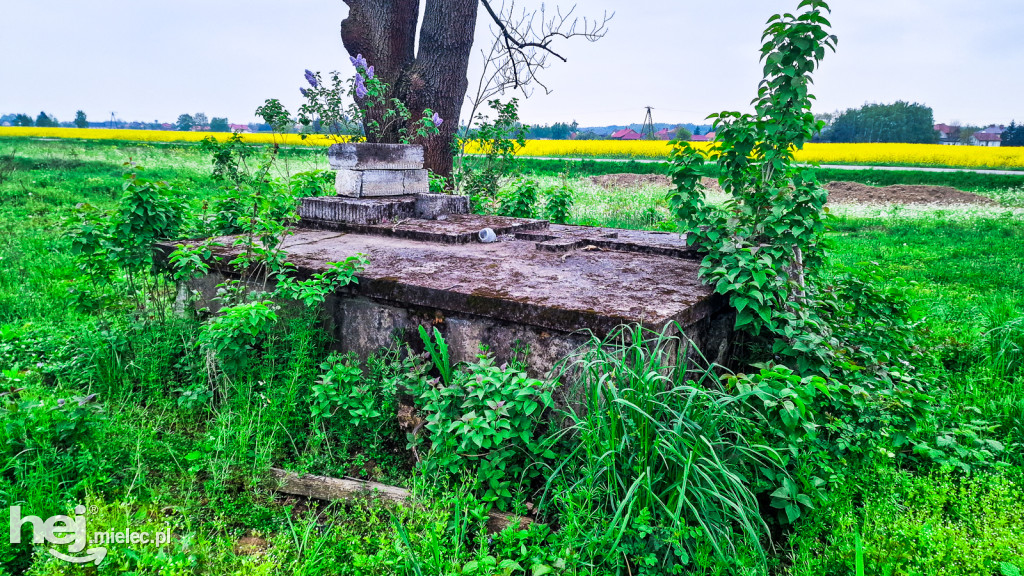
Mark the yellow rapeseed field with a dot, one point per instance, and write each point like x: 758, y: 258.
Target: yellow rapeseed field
x: 864, y: 154
x: 933, y: 155
x: 160, y: 136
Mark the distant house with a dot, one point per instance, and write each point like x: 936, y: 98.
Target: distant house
x: 991, y: 136
x: 948, y: 135
x: 665, y: 134
x: 626, y: 134
x: 244, y: 128
x: 168, y: 126
x: 709, y: 137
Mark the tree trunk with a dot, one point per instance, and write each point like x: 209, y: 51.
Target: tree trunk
x: 384, y: 32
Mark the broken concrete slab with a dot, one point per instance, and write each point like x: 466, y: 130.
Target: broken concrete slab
x: 348, y: 183
x: 417, y: 182
x: 383, y: 183
x: 357, y: 211
x: 341, y: 212
x: 370, y: 156
x: 433, y: 206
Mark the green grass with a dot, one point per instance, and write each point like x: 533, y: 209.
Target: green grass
x: 144, y: 453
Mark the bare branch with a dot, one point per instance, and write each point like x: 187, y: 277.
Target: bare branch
x: 527, y: 41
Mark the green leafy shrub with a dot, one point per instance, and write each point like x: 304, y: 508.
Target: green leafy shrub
x: 365, y: 403
x: 237, y: 332
x: 228, y: 158
x: 485, y: 420
x: 313, y: 183
x: 497, y: 141
x: 558, y: 206
x: 521, y: 200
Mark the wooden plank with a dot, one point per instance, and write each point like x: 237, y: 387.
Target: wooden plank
x: 330, y: 489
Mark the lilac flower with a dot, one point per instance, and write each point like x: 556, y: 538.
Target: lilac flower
x: 311, y: 78
x: 437, y: 119
x: 361, y: 90
x: 358, y: 61
x: 369, y: 73
x: 303, y: 90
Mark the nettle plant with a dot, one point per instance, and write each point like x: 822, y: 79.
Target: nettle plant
x: 359, y: 108
x: 767, y: 236
x: 521, y: 200
x: 483, y: 418
x: 559, y: 202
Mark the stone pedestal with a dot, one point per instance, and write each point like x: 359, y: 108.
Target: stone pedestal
x: 379, y: 184
x: 373, y: 170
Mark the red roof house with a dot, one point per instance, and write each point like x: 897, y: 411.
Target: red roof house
x: 626, y: 134
x: 709, y: 137
x: 991, y: 136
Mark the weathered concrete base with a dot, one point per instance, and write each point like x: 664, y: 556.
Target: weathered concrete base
x: 366, y: 325
x: 520, y: 293
x: 337, y: 212
x: 377, y: 183
x: 375, y: 156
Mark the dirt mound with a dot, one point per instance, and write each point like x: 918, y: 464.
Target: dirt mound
x: 630, y: 180
x: 857, y: 193
x: 838, y: 192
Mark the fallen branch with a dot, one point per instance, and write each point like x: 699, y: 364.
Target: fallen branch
x: 329, y: 489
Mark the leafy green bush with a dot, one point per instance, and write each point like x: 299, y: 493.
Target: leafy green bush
x: 558, y: 204
x: 313, y: 183
x: 485, y: 420
x: 497, y: 140
x: 521, y: 200
x: 366, y: 404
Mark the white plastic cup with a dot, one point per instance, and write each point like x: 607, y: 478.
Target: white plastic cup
x: 487, y: 236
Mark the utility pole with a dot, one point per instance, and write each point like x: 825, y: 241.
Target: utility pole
x: 647, y: 132
x: 113, y: 120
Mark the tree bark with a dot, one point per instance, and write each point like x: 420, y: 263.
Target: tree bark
x: 384, y: 32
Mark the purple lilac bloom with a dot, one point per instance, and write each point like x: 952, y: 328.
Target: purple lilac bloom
x: 361, y: 91
x: 369, y: 73
x: 311, y: 78
x: 303, y: 90
x: 437, y: 119
x: 358, y: 61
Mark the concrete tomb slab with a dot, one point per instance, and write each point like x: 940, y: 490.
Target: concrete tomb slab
x: 540, y: 286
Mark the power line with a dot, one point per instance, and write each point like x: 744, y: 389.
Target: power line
x: 647, y: 131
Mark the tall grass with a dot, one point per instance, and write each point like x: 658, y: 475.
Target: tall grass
x: 654, y: 441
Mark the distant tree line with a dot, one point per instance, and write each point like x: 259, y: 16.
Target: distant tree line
x: 897, y: 122
x: 556, y: 131
x: 1014, y: 135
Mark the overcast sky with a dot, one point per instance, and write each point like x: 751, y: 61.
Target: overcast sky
x: 148, y: 60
